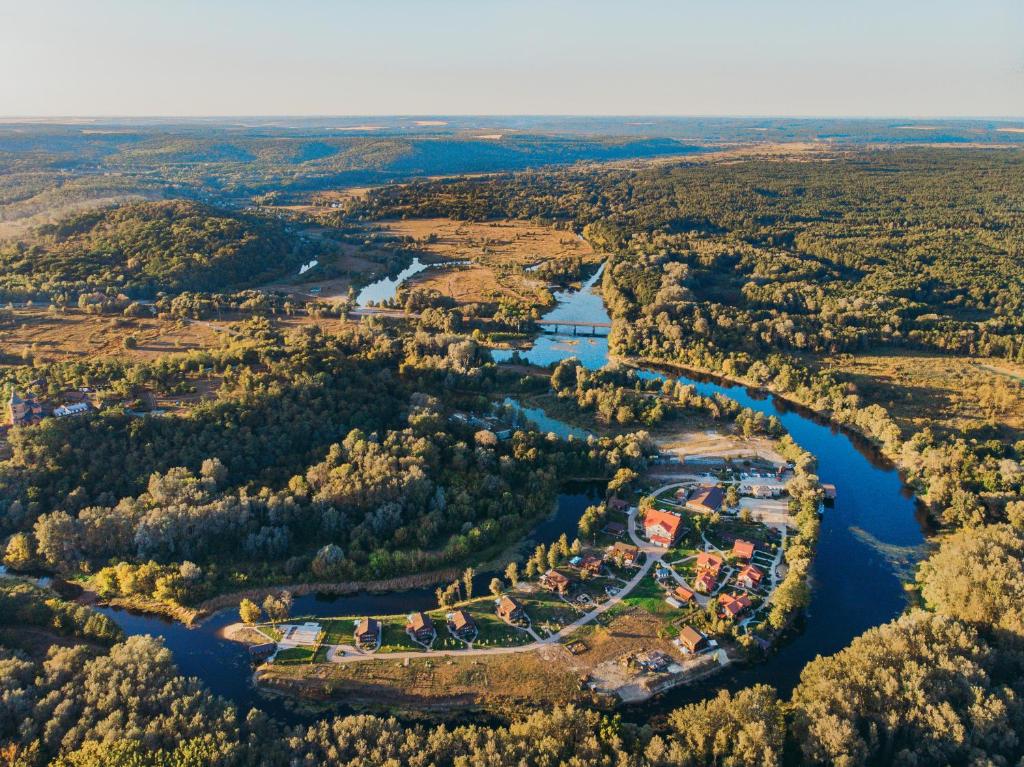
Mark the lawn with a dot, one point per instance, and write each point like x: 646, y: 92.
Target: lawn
x: 294, y: 655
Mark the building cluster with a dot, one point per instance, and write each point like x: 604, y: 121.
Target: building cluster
x: 28, y: 411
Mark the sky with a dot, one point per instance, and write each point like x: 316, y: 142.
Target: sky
x: 885, y: 58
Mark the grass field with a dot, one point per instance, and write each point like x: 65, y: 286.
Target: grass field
x: 500, y: 251
x: 36, y: 333
x: 973, y: 396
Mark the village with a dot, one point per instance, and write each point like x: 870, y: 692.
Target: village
x: 694, y: 560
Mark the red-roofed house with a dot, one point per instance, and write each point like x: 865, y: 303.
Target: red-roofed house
x: 705, y: 581
x: 733, y: 606
x: 749, y: 577
x: 662, y: 527
x: 683, y: 594
x: 742, y: 549
x: 706, y: 560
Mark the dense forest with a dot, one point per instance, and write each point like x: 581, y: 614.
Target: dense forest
x: 145, y: 248
x: 317, y: 444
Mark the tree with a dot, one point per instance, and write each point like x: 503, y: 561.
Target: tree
x: 732, y: 730
x: 277, y: 608
x: 732, y: 497
x: 467, y: 582
x: 249, y: 611
x: 19, y: 552
x: 496, y: 587
x: 976, y: 576
x: 512, y: 573
x: 924, y: 689
x: 622, y: 479
x: 328, y: 562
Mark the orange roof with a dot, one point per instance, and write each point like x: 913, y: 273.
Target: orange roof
x: 666, y: 519
x: 752, y: 573
x: 420, y: 621
x: 709, y: 561
x: 705, y: 581
x: 684, y: 593
x: 733, y: 606
x: 743, y: 549
x: 461, y: 620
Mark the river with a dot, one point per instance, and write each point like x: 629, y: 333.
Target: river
x: 870, y: 534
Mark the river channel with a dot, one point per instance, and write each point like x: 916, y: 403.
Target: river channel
x: 868, y: 539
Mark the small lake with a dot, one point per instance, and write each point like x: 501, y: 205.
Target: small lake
x: 387, y: 288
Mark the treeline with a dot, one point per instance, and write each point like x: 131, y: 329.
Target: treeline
x: 141, y: 249
x: 621, y: 396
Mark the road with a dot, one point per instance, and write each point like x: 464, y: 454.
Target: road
x: 350, y: 654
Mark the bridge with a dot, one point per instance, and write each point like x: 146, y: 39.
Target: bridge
x: 552, y: 326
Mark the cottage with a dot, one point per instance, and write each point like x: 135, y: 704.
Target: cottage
x: 553, y: 580
x: 761, y: 490
x: 421, y: 627
x: 367, y: 633
x: 709, y: 562
x: 683, y: 594
x: 590, y: 564
x: 691, y: 640
x: 750, y: 577
x: 706, y: 500
x: 511, y: 610
x: 462, y: 624
x: 71, y: 408
x: 705, y: 582
x: 662, y: 527
x: 742, y: 549
x: 733, y: 606
x: 23, y: 411
x: 627, y: 553
x: 616, y: 529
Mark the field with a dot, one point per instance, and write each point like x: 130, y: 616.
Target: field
x: 36, y: 333
x: 500, y: 251
x: 965, y: 395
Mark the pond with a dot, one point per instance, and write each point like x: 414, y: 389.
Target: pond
x: 387, y: 288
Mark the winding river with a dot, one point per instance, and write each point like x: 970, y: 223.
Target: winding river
x: 868, y: 539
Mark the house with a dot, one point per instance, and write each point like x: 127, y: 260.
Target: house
x: 691, y: 640
x: 662, y: 574
x: 367, y: 633
x: 683, y: 594
x: 742, y: 549
x: 421, y: 627
x: 553, y: 580
x: 732, y: 606
x: 707, y: 500
x: 662, y: 527
x: 627, y: 553
x: 461, y: 624
x: 23, y: 411
x: 615, y: 528
x: 71, y: 408
x: 511, y: 610
x: 709, y: 562
x: 750, y: 577
x: 617, y: 504
x: 591, y: 564
x: 760, y: 489
x: 260, y: 652
x: 705, y: 582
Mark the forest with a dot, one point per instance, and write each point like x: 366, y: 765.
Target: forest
x: 316, y: 443
x: 146, y: 248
